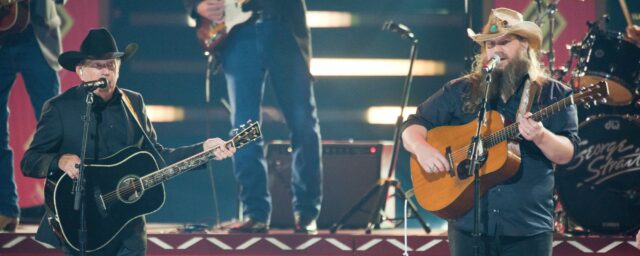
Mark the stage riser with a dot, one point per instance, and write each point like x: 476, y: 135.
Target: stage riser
x: 333, y: 245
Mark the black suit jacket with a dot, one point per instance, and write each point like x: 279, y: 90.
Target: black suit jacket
x: 59, y: 132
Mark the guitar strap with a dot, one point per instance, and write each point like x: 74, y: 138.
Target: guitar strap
x: 129, y: 107
x: 529, y: 92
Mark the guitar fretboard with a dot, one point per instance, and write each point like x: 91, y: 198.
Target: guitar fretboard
x: 171, y: 171
x: 511, y: 131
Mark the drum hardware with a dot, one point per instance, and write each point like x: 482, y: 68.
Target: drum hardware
x: 607, y: 55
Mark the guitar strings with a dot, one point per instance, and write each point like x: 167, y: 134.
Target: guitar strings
x: 512, y: 130
x: 110, y: 196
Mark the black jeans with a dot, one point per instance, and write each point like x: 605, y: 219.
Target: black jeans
x: 131, y: 241
x: 461, y: 244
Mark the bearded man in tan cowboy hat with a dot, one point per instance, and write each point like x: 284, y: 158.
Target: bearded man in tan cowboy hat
x: 118, y: 121
x: 516, y: 214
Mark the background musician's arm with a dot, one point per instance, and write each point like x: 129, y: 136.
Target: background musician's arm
x: 633, y: 34
x: 210, y: 9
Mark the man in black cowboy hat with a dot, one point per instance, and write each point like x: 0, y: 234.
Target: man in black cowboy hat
x: 119, y: 120
x: 517, y: 214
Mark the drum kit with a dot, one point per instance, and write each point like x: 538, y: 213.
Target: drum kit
x: 599, y: 190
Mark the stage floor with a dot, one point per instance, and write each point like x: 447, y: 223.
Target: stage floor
x: 167, y: 239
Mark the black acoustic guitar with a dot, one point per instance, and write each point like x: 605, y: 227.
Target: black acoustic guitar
x: 120, y: 188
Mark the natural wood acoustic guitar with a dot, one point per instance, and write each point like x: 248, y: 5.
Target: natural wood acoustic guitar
x: 450, y: 194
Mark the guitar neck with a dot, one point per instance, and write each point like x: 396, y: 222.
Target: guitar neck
x: 511, y: 131
x: 250, y: 133
x: 155, y: 178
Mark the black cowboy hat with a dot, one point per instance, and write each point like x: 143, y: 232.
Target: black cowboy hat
x: 98, y: 45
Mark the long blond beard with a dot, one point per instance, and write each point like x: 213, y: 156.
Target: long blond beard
x: 504, y: 82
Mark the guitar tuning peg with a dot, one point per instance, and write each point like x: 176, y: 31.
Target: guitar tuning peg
x: 587, y: 106
x: 234, y: 131
x: 595, y: 103
x: 603, y: 100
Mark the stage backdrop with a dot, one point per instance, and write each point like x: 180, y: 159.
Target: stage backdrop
x: 570, y: 23
x: 83, y: 16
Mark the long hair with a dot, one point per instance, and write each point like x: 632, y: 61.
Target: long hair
x: 473, y: 96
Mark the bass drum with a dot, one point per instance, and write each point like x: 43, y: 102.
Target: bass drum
x: 600, y: 188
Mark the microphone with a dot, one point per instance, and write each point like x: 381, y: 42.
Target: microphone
x: 399, y: 28
x: 95, y: 84
x: 491, y: 64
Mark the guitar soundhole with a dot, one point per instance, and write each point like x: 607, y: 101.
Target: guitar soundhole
x: 129, y: 189
x: 463, y: 169
x: 465, y: 165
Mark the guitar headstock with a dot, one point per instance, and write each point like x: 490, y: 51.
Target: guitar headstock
x: 592, y: 94
x: 246, y: 133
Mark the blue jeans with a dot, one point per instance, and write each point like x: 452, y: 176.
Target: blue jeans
x: 261, y: 49
x: 21, y: 54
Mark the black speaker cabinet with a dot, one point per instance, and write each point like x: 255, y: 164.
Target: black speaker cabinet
x: 350, y: 170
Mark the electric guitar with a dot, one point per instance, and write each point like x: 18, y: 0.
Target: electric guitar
x: 14, y: 17
x: 210, y: 34
x: 120, y: 188
x: 450, y: 194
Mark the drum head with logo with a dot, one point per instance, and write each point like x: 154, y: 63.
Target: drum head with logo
x: 600, y: 188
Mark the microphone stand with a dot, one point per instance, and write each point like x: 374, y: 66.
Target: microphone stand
x: 207, y: 98
x: 79, y: 202
x: 382, y: 187
x: 476, y: 158
x: 469, y: 45
x: 538, y: 11
x: 551, y: 57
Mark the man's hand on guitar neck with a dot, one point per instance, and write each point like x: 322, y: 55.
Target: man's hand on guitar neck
x: 556, y: 148
x: 530, y: 129
x: 221, y: 151
x: 212, y: 10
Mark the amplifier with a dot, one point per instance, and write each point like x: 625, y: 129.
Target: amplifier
x: 350, y: 170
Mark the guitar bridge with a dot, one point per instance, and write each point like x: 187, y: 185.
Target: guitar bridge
x: 447, y: 154
x: 101, y: 205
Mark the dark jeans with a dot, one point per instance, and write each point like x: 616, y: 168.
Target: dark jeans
x: 20, y: 54
x: 265, y: 48
x: 461, y: 244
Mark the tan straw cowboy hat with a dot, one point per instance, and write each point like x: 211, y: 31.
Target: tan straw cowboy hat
x: 504, y: 21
